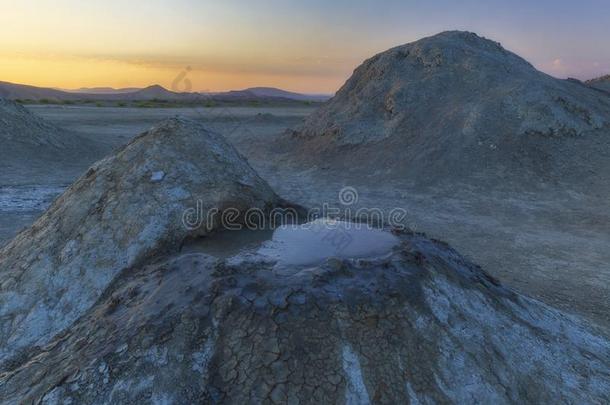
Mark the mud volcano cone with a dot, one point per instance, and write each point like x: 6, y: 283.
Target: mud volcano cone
x: 402, y: 320
x: 32, y: 147
x: 459, y: 108
x: 124, y: 210
x: 110, y: 298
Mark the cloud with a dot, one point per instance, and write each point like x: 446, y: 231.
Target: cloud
x: 557, y: 64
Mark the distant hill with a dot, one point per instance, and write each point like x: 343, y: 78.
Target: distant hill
x: 157, y: 92
x: 103, y: 90
x: 273, y: 92
x: 601, y: 83
x: 13, y: 91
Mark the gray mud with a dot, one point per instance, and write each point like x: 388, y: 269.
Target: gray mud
x: 192, y: 328
x: 552, y: 245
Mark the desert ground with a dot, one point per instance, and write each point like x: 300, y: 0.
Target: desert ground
x: 550, y: 245
x: 303, y: 203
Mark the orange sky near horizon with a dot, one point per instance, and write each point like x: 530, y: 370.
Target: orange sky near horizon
x: 309, y: 47
x: 51, y: 72
x: 68, y: 44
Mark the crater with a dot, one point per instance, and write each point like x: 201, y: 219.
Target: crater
x: 299, y: 245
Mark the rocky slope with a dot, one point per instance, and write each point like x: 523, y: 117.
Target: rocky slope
x: 30, y: 145
x: 417, y: 325
x: 456, y: 107
x: 125, y: 209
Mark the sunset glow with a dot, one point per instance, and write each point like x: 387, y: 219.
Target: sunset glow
x: 288, y: 44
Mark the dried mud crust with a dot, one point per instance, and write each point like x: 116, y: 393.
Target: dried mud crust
x: 419, y: 325
x: 123, y: 210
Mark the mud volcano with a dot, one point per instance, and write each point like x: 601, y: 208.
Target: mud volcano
x: 32, y: 147
x: 122, y: 211
x: 109, y: 298
x: 408, y: 321
x: 458, y: 108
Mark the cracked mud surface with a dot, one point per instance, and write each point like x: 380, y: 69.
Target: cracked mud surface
x: 419, y: 325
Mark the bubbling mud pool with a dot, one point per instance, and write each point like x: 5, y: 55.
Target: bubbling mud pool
x: 306, y: 244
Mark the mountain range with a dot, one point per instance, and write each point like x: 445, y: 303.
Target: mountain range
x: 12, y: 91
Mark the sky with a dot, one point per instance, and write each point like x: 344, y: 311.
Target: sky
x: 307, y: 46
